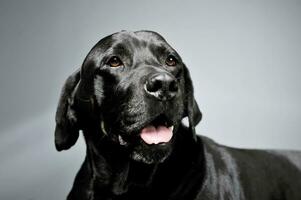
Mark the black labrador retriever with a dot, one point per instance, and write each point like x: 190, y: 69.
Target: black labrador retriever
x: 129, y: 99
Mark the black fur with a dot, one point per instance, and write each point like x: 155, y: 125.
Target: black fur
x: 110, y: 105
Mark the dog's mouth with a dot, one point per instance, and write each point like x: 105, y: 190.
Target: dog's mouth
x: 158, y: 131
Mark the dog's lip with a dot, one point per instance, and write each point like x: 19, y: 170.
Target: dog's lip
x: 120, y: 138
x: 122, y: 141
x: 124, y: 138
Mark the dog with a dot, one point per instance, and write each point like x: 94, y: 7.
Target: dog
x: 129, y: 99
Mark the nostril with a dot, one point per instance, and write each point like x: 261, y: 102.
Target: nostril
x: 153, y: 85
x: 173, y: 87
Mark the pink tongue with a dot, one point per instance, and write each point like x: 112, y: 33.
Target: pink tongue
x: 153, y: 135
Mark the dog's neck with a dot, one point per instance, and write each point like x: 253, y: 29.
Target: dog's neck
x: 114, y: 171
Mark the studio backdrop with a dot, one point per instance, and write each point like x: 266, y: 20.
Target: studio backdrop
x: 244, y: 58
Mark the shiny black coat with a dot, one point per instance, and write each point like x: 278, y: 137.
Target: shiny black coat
x: 110, y: 102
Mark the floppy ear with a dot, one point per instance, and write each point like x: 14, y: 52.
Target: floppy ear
x: 192, y: 109
x: 75, y: 107
x: 67, y: 129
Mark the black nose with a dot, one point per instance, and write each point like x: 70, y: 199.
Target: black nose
x: 162, y: 86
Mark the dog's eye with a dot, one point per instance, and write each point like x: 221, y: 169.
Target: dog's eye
x: 171, y: 61
x: 114, y: 62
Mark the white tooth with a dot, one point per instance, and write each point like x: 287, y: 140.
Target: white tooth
x: 171, y: 128
x: 102, y: 125
x: 121, y: 141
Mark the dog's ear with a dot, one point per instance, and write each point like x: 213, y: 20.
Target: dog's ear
x: 76, y: 106
x: 192, y: 110
x: 67, y: 128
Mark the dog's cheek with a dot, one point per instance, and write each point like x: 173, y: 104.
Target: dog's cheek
x: 99, y: 89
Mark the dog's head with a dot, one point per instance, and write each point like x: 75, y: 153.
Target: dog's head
x: 132, y: 90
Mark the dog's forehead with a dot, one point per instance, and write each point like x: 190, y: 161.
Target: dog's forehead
x: 138, y: 38
x: 139, y: 44
x: 133, y: 42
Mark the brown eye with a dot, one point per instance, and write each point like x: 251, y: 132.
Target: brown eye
x: 114, y: 62
x: 171, y: 61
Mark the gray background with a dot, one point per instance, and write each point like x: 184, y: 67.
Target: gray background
x: 244, y: 56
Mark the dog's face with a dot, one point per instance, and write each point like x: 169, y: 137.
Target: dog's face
x: 133, y: 89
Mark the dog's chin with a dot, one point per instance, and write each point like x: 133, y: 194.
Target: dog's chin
x: 151, y: 154
x: 155, y: 141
